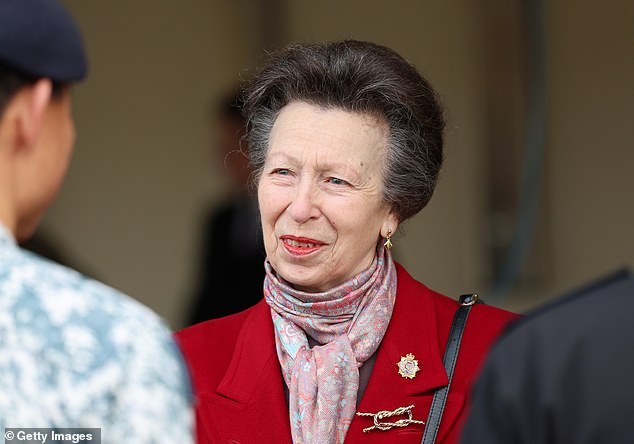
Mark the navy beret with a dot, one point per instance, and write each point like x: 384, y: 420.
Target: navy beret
x: 39, y: 38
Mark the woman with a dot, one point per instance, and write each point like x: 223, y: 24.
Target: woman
x: 346, y: 141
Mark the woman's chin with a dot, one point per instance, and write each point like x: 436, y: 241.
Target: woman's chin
x: 301, y: 278
x: 301, y: 283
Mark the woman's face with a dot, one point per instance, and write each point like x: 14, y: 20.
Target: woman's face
x: 320, y: 195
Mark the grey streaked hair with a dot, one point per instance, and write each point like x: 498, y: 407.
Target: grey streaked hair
x: 361, y: 77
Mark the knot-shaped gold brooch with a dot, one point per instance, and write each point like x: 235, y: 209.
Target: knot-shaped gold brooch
x: 383, y: 414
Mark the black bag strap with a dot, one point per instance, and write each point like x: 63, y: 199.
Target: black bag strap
x: 466, y: 301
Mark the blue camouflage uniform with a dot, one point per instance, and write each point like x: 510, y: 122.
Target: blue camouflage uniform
x: 76, y: 353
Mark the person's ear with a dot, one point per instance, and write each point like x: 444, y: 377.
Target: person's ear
x: 33, y: 103
x: 390, y: 224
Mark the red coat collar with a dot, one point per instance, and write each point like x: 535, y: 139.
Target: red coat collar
x: 253, y: 379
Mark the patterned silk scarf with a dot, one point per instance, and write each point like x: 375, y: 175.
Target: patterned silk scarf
x: 350, y: 321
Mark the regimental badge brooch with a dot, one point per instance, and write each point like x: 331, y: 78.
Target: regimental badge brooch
x: 408, y: 366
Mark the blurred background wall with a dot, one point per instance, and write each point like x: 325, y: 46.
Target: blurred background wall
x: 539, y: 100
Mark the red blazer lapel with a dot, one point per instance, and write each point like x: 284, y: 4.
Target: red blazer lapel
x: 245, y: 403
x: 415, y: 332
x: 249, y: 405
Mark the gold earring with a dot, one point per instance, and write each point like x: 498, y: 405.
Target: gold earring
x: 388, y: 241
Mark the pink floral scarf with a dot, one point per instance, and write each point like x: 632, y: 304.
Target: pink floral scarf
x: 350, y: 321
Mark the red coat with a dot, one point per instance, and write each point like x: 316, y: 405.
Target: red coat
x: 239, y: 387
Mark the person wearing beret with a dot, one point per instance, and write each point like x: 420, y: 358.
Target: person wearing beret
x: 346, y: 140
x: 563, y: 374
x: 73, y: 352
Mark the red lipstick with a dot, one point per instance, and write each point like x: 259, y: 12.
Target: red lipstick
x: 300, y: 246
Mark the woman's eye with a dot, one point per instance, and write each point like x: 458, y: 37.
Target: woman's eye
x: 282, y: 171
x: 336, y: 181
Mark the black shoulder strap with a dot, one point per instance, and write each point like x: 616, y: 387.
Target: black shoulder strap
x: 432, y: 425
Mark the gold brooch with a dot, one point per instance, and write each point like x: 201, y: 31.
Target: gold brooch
x: 378, y: 418
x: 408, y: 366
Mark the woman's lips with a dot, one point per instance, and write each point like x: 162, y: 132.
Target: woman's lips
x: 300, y: 246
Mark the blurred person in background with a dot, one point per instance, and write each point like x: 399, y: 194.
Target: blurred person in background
x: 73, y: 352
x: 231, y: 236
x: 346, y: 141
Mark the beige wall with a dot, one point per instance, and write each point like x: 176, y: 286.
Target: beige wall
x: 591, y: 143
x: 141, y: 176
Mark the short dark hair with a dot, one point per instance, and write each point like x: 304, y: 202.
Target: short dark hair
x: 364, y: 77
x: 12, y: 80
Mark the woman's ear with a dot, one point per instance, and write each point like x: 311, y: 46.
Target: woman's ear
x: 390, y: 225
x: 31, y: 103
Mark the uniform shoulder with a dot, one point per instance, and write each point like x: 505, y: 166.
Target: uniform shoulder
x: 44, y: 277
x: 584, y: 312
x: 62, y: 299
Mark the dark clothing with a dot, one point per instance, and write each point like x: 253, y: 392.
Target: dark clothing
x: 231, y: 271
x: 564, y: 374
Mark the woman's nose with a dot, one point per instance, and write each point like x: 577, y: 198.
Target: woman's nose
x: 304, y: 204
